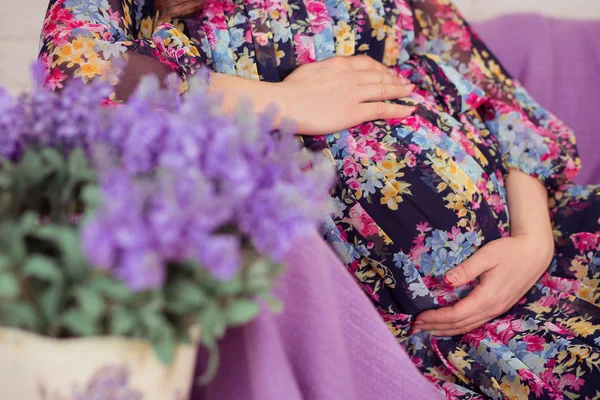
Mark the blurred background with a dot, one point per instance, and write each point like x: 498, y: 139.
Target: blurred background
x: 552, y: 46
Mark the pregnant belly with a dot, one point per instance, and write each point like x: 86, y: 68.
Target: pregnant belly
x: 416, y: 198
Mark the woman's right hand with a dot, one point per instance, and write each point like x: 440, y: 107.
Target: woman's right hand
x: 342, y: 92
x: 324, y: 97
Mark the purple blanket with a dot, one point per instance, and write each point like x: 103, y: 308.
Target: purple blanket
x: 328, y: 344
x: 558, y: 61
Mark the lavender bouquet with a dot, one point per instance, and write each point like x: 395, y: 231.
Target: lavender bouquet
x: 147, y: 219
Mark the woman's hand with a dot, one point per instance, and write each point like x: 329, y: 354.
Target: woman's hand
x: 342, y: 92
x: 507, y: 268
x: 324, y: 97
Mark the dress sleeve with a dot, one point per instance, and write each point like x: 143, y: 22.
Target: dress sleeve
x: 531, y: 138
x: 117, y: 41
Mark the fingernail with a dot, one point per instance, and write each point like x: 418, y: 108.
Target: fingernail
x: 418, y: 323
x: 413, y: 109
x: 450, y: 278
x: 411, y: 87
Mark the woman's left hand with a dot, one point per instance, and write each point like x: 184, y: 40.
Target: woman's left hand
x: 507, y: 268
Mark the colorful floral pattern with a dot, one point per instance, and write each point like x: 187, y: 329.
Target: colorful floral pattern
x: 108, y: 382
x: 95, y: 39
x: 415, y: 196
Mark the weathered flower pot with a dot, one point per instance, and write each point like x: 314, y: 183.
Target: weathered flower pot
x: 34, y: 367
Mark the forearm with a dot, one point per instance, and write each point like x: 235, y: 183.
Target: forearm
x: 326, y: 96
x: 528, y: 207
x: 260, y: 94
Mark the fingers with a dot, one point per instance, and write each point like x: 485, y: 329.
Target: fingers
x: 380, y: 110
x: 366, y: 63
x: 467, y: 311
x: 460, y: 331
x: 468, y: 314
x: 481, y: 261
x: 376, y: 77
x: 455, y: 328
x: 384, y: 91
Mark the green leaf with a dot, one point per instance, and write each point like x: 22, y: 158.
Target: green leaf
x: 91, y: 195
x: 9, y: 286
x: 186, y: 293
x: 15, y: 191
x: 20, y: 315
x: 153, y: 300
x: 260, y: 274
x: 8, y: 168
x: 6, y: 203
x: 80, y: 323
x: 152, y: 313
x: 122, y: 321
x: 240, y: 312
x: 79, y: 166
x: 66, y: 238
x: 5, y: 263
x: 71, y: 252
x: 54, y: 160
x: 29, y: 221
x: 43, y: 268
x: 230, y: 288
x: 163, y: 342
x: 111, y: 288
x: 57, y: 176
x: 50, y: 301
x: 178, y: 309
x: 31, y: 165
x: 152, y: 319
x: 213, y: 323
x: 77, y: 161
x: 15, y: 245
x: 89, y: 301
x: 272, y: 302
x: 212, y: 366
x: 5, y: 180
x: 47, y: 232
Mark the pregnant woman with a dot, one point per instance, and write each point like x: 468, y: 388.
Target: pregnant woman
x: 453, y: 208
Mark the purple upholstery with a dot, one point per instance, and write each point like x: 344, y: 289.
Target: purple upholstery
x: 328, y: 344
x: 559, y: 63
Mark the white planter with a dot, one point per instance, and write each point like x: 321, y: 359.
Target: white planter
x: 33, y: 367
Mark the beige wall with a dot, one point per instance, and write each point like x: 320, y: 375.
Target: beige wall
x: 575, y: 9
x: 20, y: 23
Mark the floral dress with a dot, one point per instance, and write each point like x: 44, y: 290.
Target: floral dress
x: 415, y: 197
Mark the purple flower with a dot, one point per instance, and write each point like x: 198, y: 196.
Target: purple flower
x: 11, y: 122
x: 142, y: 145
x: 221, y: 254
x: 97, y: 245
x: 119, y: 237
x: 175, y: 174
x: 142, y: 269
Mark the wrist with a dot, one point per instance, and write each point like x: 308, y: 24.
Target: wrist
x: 539, y: 245
x: 260, y: 94
x: 285, y: 96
